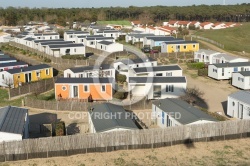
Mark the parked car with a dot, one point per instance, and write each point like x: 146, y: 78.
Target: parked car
x: 145, y: 49
x: 154, y: 51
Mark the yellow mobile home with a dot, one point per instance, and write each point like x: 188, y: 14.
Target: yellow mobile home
x: 26, y: 74
x: 179, y: 46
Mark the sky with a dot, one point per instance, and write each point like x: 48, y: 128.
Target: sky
x: 108, y: 3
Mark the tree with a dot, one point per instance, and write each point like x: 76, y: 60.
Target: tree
x: 121, y: 78
x: 192, y: 95
x: 9, y: 83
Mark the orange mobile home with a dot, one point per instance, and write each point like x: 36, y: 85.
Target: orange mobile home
x: 84, y: 88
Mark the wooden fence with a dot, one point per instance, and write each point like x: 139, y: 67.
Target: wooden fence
x: 122, y: 140
x: 64, y: 105
x: 34, y: 87
x: 56, y: 62
x: 208, y: 40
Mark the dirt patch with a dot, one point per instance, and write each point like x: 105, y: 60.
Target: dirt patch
x: 215, y: 92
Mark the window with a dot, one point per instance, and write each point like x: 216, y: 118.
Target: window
x: 162, y: 120
x: 171, y: 88
x: 50, y: 37
x: 158, y: 74
x: 82, y: 40
x: 103, y: 88
x: 185, y: 47
x: 86, y: 88
x: 167, y: 88
x: 238, y: 78
x: 38, y: 74
x: 169, y: 74
x: 64, y: 88
x: 92, y: 43
x: 194, y: 46
x: 236, y: 69
x: 68, y: 75
x: 101, y: 46
x: 3, y: 76
x: 80, y: 75
x: 233, y: 103
x: 70, y: 36
x: 222, y: 71
x: 75, y: 49
x: 47, y: 71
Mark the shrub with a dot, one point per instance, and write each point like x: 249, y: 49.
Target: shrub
x: 74, y: 57
x: 24, y: 52
x: 180, y: 61
x: 173, y: 60
x: 197, y: 65
x: 202, y: 72
x: 47, y: 60
x: 60, y: 129
x: 121, y: 78
x: 119, y: 95
x: 157, y: 48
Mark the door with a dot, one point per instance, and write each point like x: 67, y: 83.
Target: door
x: 157, y: 91
x: 75, y: 92
x: 240, y: 111
x: 27, y: 77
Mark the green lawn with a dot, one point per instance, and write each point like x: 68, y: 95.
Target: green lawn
x: 234, y: 39
x: 121, y: 22
x: 4, y: 99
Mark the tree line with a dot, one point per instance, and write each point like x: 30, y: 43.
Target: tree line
x: 148, y: 15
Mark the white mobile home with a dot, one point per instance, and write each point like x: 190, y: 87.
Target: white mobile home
x: 36, y: 42
x: 109, y: 46
x: 46, y: 36
x: 157, y: 87
x: 205, y: 56
x: 14, y: 124
x: 225, y: 58
x: 241, y: 80
x: 42, y: 46
x: 80, y: 39
x: 109, y: 33
x: 71, y: 35
x: 108, y: 117
x: 104, y: 70
x: 223, y: 71
x: 125, y: 64
x: 168, y: 70
x: 12, y: 65
x: 238, y: 105
x: 91, y: 41
x: 7, y: 60
x: 175, y: 112
x: 65, y: 49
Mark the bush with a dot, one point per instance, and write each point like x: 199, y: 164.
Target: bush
x: 24, y: 52
x: 202, y: 72
x: 47, y: 60
x: 74, y: 57
x: 121, y: 78
x: 197, y: 65
x: 119, y: 95
x: 60, y: 129
x: 157, y: 48
x: 173, y: 60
